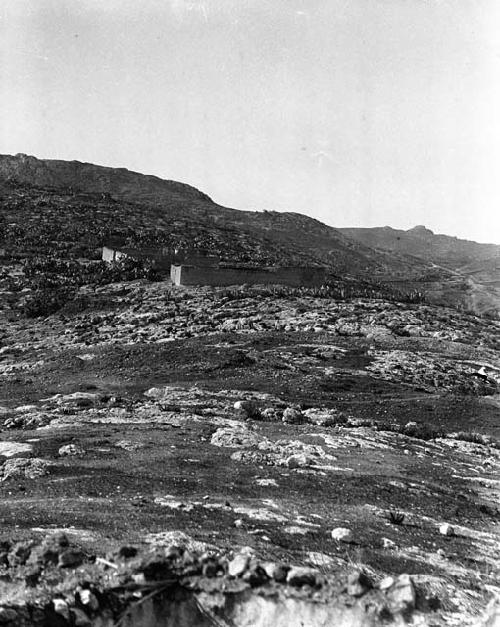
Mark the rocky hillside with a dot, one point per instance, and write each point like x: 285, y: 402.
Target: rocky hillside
x: 78, y: 206
x: 69, y: 210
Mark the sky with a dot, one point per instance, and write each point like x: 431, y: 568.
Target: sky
x: 355, y: 112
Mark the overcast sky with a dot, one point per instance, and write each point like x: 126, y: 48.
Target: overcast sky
x: 356, y: 112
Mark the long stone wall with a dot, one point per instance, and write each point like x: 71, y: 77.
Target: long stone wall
x: 292, y: 276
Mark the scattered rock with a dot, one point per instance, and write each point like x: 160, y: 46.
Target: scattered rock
x: 386, y: 583
x: 238, y: 565
x: 276, y: 570
x: 293, y: 416
x: 129, y: 445
x: 270, y: 414
x: 342, y: 534
x: 388, y: 544
x: 358, y: 583
x: 247, y: 409
x: 446, y: 530
x: 29, y: 468
x: 70, y: 450
x: 297, y: 461
x: 401, y: 594
x: 234, y: 437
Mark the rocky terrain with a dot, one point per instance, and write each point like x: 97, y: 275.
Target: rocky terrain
x: 235, y: 456
x: 230, y: 456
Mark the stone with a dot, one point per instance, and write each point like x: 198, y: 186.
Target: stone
x: 402, y: 595
x: 388, y: 544
x: 89, y: 599
x: 293, y: 416
x: 342, y: 534
x: 234, y: 437
x: 302, y: 575
x: 61, y: 607
x: 386, y: 583
x: 358, y: 583
x: 247, y: 409
x: 297, y: 461
x: 10, y: 450
x: 238, y: 565
x: 446, y: 530
x: 70, y: 450
x: 29, y: 468
x: 276, y: 570
x: 270, y: 414
x: 129, y: 445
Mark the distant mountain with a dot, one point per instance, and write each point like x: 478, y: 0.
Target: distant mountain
x: 475, y: 267
x: 420, y: 241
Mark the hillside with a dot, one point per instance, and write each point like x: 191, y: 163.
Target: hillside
x: 475, y: 267
x: 73, y: 206
x: 69, y: 210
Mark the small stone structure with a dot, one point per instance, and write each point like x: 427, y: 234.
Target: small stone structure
x: 160, y: 258
x: 234, y: 275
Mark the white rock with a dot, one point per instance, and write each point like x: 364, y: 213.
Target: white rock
x: 61, y: 607
x: 388, y: 544
x: 70, y: 449
x: 402, y: 593
x: 238, y: 565
x: 297, y: 461
x: 23, y: 409
x: 446, y: 530
x: 386, y: 583
x: 342, y: 534
x: 9, y: 450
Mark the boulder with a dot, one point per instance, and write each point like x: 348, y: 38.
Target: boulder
x: 29, y: 468
x: 402, y: 595
x: 342, y: 534
x: 293, y: 416
x: 70, y: 449
x: 238, y: 565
